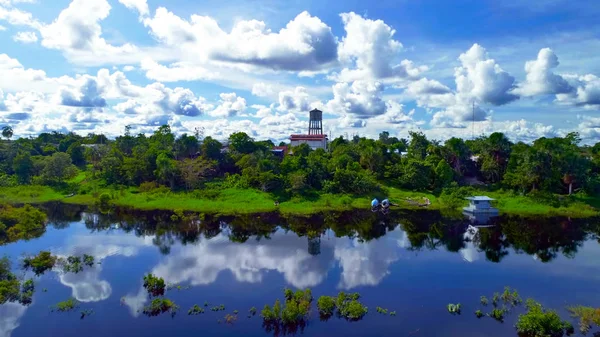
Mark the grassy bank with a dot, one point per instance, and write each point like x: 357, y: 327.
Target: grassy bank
x: 245, y: 201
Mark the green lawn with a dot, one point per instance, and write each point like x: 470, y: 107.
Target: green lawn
x: 244, y: 201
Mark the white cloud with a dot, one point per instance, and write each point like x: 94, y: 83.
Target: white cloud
x: 230, y: 105
x: 262, y: 89
x: 540, y: 78
x: 361, y: 99
x: 306, y: 43
x: 10, y: 314
x: 139, y: 5
x: 2, y: 28
x: 128, y: 68
x: 296, y: 100
x: 18, y: 17
x: 370, y: 48
x: 25, y: 37
x: 180, y: 71
x: 586, y: 94
x: 77, y: 30
x: 482, y: 78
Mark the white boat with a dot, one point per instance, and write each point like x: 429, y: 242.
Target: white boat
x: 480, y: 205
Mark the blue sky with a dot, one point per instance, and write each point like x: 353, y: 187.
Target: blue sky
x: 531, y: 68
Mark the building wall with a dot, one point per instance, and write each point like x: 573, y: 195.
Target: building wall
x: 314, y: 144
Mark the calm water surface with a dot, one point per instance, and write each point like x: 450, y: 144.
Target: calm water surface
x: 414, y: 264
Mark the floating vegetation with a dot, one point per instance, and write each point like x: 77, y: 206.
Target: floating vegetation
x: 495, y: 299
x: 252, y: 311
x: 196, y: 310
x: 67, y: 305
x: 483, y: 300
x: 87, y: 312
x: 295, y: 310
x: 235, y: 312
x: 382, y: 310
x: 511, y: 297
x: 45, y: 290
x: 393, y: 313
x: 40, y: 263
x: 160, y: 306
x: 498, y: 314
x: 454, y: 308
x: 218, y: 308
x: 587, y: 316
x: 230, y: 319
x: 72, y: 265
x: 538, y: 322
x: 27, y: 289
x: 88, y: 260
x: 479, y: 314
x: 349, y: 307
x: 154, y: 285
x: 206, y: 304
x: 326, y: 306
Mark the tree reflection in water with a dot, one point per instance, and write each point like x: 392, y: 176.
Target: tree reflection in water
x: 543, y: 238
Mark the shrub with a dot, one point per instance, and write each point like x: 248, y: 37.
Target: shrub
x: 354, y: 310
x: 67, y: 305
x: 40, y: 263
x: 587, y: 316
x: 88, y: 260
x: 148, y: 186
x: 484, y: 300
x: 154, y: 285
x: 497, y: 314
x: 159, y: 306
x: 294, y: 311
x: 9, y: 284
x: 454, y: 308
x: 478, y: 313
x: 538, y: 322
x: 104, y: 200
x: 326, y: 306
x: 73, y: 265
x: 195, y: 310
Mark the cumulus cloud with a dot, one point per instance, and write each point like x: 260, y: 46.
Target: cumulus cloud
x: 361, y: 99
x: 296, y: 100
x: 540, y: 78
x: 262, y: 89
x: 586, y: 93
x: 370, y: 49
x: 482, y: 78
x: 17, y: 17
x: 77, y: 29
x: 10, y: 315
x: 306, y: 43
x: 156, y: 99
x: 87, y: 94
x: 25, y: 37
x: 138, y: 5
x: 230, y: 105
x: 180, y: 71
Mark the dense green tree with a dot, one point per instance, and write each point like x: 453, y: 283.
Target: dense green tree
x: 76, y: 152
x: 444, y: 174
x: 166, y: 169
x: 7, y: 132
x: 58, y: 167
x: 241, y: 143
x: 23, y: 167
x: 417, y: 148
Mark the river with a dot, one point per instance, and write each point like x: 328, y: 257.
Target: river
x: 413, y: 263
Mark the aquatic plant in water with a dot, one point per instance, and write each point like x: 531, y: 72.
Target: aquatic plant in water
x: 454, y: 308
x: 538, y: 322
x: 326, y: 306
x: 72, y: 265
x: 196, y: 310
x: 382, y: 310
x: 230, y: 319
x: 27, y: 289
x: 483, y: 300
x: 88, y: 260
x: 295, y: 309
x: 154, y: 285
x: 67, y: 305
x: 159, y: 306
x: 252, y: 311
x: 349, y: 307
x: 587, y: 316
x: 479, y: 314
x: 40, y: 263
x: 393, y: 313
x: 497, y: 314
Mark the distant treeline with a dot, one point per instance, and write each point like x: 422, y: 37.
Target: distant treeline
x: 351, y: 166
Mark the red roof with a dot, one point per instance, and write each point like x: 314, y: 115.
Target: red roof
x: 307, y: 137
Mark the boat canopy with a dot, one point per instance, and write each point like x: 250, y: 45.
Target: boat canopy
x: 480, y: 198
x: 375, y: 203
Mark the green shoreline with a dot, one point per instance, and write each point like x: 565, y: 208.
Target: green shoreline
x: 237, y: 201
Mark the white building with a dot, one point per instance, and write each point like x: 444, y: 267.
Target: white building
x: 314, y: 141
